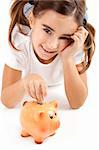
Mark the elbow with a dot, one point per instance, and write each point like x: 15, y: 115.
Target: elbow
x: 76, y: 106
x: 7, y: 105
x: 5, y: 102
x: 79, y: 102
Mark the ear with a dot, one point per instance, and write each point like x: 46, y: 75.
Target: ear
x: 31, y: 19
x: 38, y: 115
x: 55, y: 103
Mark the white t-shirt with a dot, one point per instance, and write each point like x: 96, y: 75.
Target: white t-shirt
x: 26, y: 61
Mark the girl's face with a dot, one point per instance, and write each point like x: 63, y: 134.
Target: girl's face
x: 51, y: 34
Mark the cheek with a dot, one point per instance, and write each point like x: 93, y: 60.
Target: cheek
x: 38, y: 38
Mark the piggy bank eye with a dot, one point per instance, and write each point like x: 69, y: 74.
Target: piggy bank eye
x: 51, y: 116
x: 55, y: 114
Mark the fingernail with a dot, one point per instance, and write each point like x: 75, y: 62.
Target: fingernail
x: 40, y: 103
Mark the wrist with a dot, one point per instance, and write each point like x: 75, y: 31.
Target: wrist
x: 68, y: 60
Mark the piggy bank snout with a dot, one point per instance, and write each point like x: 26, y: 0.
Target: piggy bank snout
x: 57, y: 124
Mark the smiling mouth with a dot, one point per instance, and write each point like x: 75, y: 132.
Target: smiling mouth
x: 49, y: 52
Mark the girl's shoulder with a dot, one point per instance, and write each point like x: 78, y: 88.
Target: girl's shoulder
x: 20, y: 37
x: 18, y: 59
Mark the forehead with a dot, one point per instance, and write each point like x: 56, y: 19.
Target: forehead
x: 58, y: 21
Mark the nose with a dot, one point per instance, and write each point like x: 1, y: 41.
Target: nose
x: 53, y: 44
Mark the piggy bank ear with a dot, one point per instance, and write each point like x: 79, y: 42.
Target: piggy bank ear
x: 55, y: 103
x: 38, y: 115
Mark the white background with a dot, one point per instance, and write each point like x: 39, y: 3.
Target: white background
x: 79, y: 128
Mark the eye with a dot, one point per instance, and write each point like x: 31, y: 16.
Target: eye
x: 55, y: 114
x: 65, y: 38
x: 47, y: 31
x: 51, y: 116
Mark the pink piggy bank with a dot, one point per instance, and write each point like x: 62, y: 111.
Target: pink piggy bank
x: 39, y: 121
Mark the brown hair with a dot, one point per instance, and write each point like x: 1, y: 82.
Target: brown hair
x: 77, y: 8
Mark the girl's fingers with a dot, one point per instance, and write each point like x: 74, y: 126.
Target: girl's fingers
x: 37, y: 89
x: 43, y: 89
x: 79, y: 35
x: 32, y: 90
x: 76, y: 43
x: 75, y: 38
x: 83, y: 31
x: 38, y: 92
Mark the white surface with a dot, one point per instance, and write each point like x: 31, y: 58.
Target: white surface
x: 79, y: 129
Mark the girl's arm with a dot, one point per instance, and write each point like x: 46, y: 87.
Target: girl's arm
x: 75, y: 84
x: 12, y: 87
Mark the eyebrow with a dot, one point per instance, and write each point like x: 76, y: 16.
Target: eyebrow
x: 48, y: 27
x: 67, y: 35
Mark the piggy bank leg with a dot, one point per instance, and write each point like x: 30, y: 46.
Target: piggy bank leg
x: 24, y: 133
x: 38, y: 140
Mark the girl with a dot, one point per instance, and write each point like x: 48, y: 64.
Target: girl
x: 50, y: 43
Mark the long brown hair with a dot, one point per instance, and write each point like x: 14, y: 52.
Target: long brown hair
x: 76, y: 8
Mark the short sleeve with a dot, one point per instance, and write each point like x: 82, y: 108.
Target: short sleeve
x: 16, y: 59
x: 79, y: 57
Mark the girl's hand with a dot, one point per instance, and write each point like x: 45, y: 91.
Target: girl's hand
x: 78, y: 39
x: 35, y: 86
